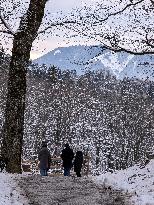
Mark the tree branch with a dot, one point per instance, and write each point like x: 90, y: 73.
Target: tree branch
x: 120, y: 49
x: 117, y: 48
x: 56, y: 24
x: 149, y: 42
x: 113, y: 47
x: 118, y: 12
x: 10, y: 31
x: 7, y: 32
x: 152, y: 2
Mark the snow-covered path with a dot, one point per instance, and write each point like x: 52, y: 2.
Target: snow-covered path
x: 68, y: 191
x: 136, y: 181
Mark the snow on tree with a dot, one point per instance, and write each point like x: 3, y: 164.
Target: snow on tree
x: 73, y: 111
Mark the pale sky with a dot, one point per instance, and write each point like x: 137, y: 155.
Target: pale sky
x: 47, y: 44
x: 119, y: 22
x: 125, y: 24
x: 43, y: 45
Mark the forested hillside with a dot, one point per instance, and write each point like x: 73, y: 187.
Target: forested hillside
x: 111, y: 120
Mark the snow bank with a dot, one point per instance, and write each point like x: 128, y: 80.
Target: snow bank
x: 139, y: 182
x: 10, y: 194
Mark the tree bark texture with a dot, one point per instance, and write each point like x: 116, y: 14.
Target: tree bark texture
x: 15, y: 103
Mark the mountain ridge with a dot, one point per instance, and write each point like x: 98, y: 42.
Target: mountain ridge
x: 82, y: 58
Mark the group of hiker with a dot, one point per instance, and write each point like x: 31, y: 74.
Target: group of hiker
x: 69, y: 160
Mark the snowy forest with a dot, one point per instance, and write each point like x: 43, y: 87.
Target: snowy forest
x: 78, y: 76
x: 111, y: 120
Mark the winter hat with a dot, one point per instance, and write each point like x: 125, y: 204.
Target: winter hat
x: 44, y: 144
x: 66, y: 145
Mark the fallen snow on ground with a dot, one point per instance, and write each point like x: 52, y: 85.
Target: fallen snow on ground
x: 139, y: 181
x: 10, y: 194
x: 60, y: 190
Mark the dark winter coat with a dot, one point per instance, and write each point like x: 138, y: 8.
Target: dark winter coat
x: 67, y: 157
x: 45, y: 158
x: 2, y: 164
x: 78, y: 161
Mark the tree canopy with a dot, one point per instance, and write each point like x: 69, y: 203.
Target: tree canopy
x: 118, y: 25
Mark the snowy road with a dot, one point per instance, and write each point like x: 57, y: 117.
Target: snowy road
x: 68, y: 191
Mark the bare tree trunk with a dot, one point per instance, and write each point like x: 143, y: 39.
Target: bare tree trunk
x: 15, y: 103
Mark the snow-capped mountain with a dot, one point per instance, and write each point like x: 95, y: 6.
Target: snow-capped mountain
x: 82, y: 58
x: 73, y: 58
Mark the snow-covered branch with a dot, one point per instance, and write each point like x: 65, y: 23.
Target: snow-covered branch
x: 91, y: 26
x: 7, y: 26
x: 152, y: 2
x: 135, y: 52
x: 120, y: 11
x: 114, y: 42
x: 149, y: 42
x: 7, y: 32
x: 56, y: 24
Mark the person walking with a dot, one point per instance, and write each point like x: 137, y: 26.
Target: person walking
x: 78, y: 163
x: 67, y: 157
x: 45, y: 159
